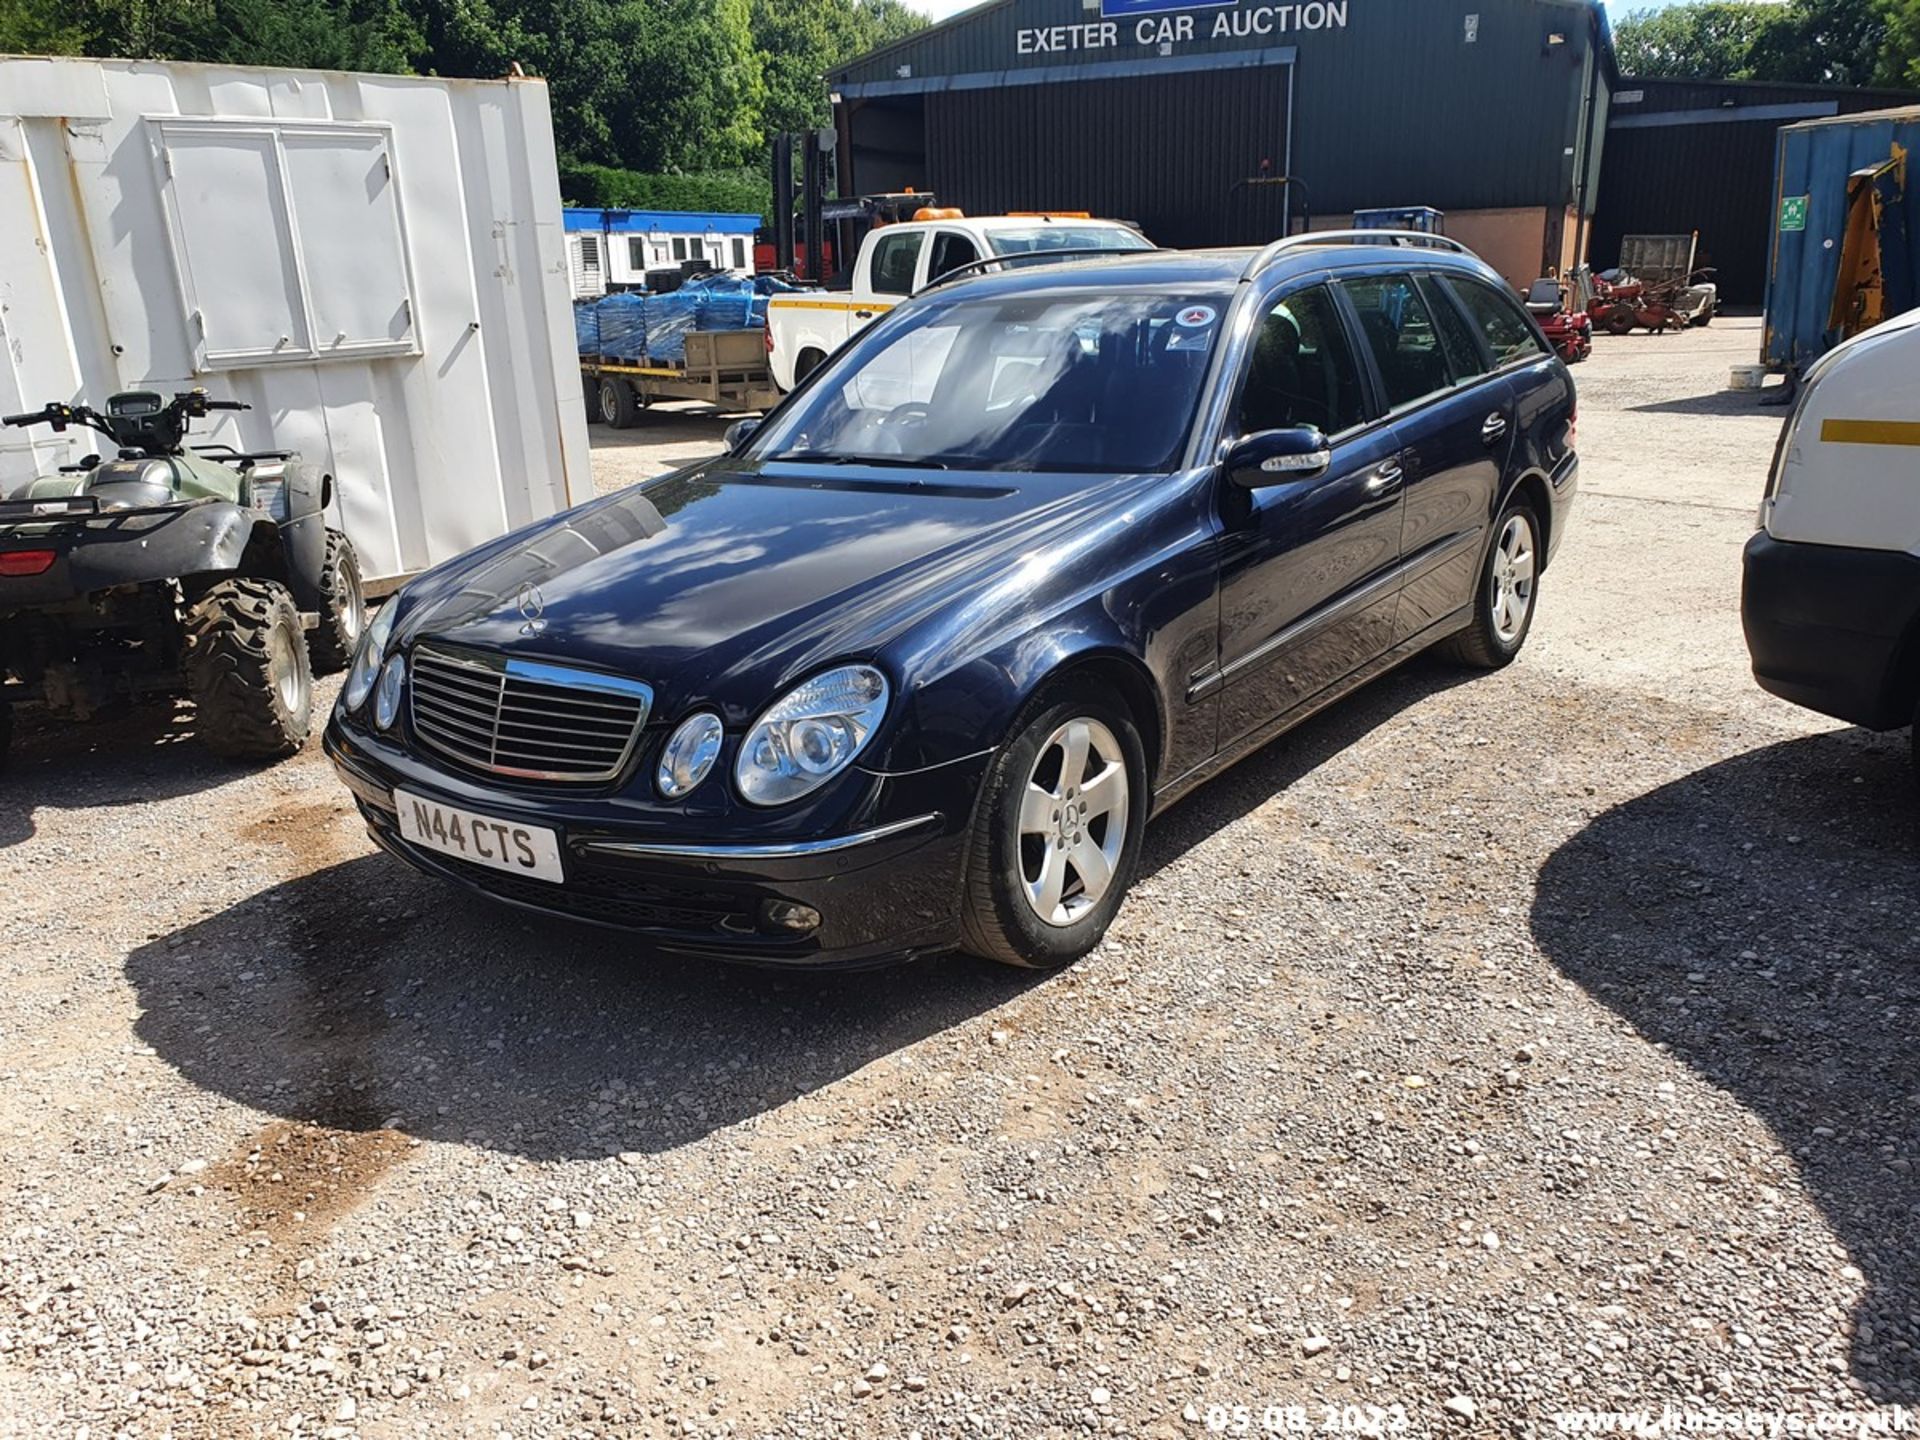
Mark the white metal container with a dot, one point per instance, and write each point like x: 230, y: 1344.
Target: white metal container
x: 375, y: 263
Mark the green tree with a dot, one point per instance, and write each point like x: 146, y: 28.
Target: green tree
x: 800, y: 40
x: 1823, y: 42
x: 1805, y: 42
x: 660, y: 86
x: 1710, y: 40
x: 1900, y: 64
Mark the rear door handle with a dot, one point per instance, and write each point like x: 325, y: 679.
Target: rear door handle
x: 1493, y: 427
x: 1385, y: 478
x: 863, y: 314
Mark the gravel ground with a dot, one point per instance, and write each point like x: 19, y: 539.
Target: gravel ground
x: 1487, y: 1047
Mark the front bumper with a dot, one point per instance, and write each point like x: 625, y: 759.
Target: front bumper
x: 886, y: 889
x: 1827, y: 627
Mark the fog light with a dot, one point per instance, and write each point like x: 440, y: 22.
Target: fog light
x: 688, y: 756
x: 386, y: 696
x: 786, y: 915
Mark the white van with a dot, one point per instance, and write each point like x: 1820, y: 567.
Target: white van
x: 1831, y: 599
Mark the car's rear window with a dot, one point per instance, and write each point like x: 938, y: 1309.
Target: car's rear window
x: 1070, y: 384
x: 1042, y: 238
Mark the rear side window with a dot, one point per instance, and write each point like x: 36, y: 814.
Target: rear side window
x: 1500, y: 319
x: 950, y: 251
x: 1457, y: 340
x: 894, y: 257
x: 1400, y: 333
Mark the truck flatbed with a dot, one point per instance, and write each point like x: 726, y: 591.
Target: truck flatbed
x: 726, y: 369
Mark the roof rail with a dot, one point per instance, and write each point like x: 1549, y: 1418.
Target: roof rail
x: 1279, y: 247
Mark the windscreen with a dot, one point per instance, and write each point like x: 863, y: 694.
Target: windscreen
x: 1041, y: 238
x: 1079, y: 384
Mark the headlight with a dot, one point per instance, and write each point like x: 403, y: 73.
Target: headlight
x: 366, y: 660
x: 689, y: 754
x: 811, y: 735
x: 386, y: 700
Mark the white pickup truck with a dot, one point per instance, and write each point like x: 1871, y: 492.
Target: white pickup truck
x: 896, y: 261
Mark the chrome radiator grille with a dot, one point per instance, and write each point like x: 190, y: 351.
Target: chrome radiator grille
x: 525, y: 718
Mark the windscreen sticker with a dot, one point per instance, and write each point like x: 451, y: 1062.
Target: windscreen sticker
x: 1192, y: 328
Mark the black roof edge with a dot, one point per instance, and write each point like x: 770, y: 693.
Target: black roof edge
x: 1817, y: 86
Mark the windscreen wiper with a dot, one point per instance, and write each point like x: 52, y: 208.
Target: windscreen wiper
x: 896, y: 462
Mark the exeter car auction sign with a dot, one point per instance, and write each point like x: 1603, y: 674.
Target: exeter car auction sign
x: 1166, y: 22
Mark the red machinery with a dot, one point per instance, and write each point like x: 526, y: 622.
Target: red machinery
x: 1570, y: 332
x: 1622, y: 303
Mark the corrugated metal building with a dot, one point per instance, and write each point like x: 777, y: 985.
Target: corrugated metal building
x: 1698, y: 155
x: 1159, y: 111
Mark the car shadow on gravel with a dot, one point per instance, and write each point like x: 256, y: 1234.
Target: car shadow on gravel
x: 1249, y: 784
x: 1719, y: 402
x: 364, y: 996
x: 1758, y: 921
x: 148, y: 752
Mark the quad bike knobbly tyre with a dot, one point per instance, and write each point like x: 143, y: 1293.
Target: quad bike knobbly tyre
x: 343, y: 608
x: 247, y: 670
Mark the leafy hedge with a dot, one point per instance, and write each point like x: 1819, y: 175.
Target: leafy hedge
x: 738, y: 192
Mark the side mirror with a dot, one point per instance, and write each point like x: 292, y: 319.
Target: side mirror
x: 1274, y: 457
x: 739, y: 433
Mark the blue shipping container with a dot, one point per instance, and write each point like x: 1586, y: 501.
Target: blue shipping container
x: 1813, y: 162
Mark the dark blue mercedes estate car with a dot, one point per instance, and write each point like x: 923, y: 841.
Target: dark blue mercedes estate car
x: 910, y: 667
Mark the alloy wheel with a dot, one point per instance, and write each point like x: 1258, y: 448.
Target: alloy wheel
x: 1073, y: 821
x: 1512, y: 580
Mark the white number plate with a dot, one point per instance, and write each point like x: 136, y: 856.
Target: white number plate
x: 480, y: 839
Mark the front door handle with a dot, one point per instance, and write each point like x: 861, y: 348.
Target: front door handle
x: 863, y: 314
x: 1493, y: 427
x: 1385, y: 478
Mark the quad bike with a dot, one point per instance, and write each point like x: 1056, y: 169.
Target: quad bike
x: 170, y: 570
x: 1570, y: 332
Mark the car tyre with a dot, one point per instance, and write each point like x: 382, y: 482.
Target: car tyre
x: 1505, y: 597
x: 619, y: 406
x: 1053, y: 849
x: 248, y: 672
x: 343, y: 608
x: 809, y: 361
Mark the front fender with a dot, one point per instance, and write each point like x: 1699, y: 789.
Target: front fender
x: 1137, y: 597
x: 303, y: 535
